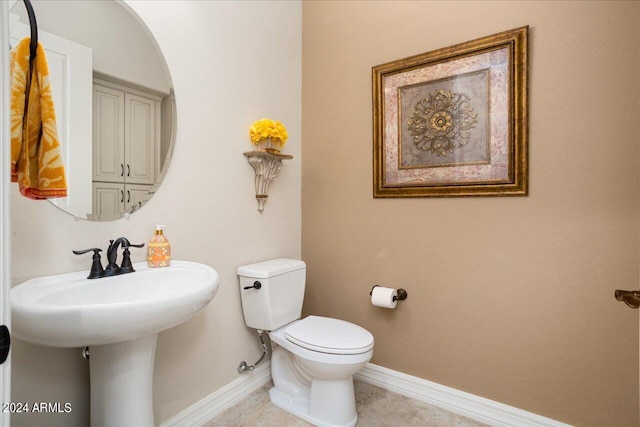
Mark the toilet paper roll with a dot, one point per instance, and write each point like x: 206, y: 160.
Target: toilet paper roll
x: 383, y: 297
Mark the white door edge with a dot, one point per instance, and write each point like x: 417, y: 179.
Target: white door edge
x: 5, y: 223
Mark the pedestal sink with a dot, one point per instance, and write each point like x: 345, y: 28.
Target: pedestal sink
x: 119, y: 319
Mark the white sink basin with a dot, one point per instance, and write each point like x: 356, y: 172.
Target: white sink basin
x: 69, y: 310
x: 119, y: 319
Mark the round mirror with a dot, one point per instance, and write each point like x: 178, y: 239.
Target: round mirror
x: 114, y: 101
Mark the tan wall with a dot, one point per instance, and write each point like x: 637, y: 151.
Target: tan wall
x: 509, y: 298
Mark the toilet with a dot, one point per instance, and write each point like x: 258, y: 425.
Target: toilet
x: 313, y: 359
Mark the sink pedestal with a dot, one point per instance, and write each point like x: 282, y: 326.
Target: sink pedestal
x: 119, y: 318
x: 121, y: 376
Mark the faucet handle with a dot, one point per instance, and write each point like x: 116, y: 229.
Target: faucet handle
x: 126, y: 266
x: 84, y: 251
x: 131, y: 245
x: 96, y: 267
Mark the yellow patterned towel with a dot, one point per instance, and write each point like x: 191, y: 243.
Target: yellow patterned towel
x: 36, y: 160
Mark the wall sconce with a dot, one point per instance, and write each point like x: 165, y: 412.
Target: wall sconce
x: 266, y: 165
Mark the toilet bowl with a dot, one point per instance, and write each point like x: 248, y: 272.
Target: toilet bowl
x: 313, y: 380
x: 313, y: 359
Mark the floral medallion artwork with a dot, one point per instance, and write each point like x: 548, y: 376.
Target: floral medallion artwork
x: 442, y: 122
x: 445, y: 122
x: 454, y: 121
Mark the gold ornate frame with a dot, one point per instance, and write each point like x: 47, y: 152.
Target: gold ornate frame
x: 454, y: 121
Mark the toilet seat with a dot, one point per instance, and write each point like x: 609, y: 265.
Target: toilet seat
x: 327, y: 335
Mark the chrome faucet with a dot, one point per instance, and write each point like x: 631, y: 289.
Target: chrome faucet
x: 112, y: 254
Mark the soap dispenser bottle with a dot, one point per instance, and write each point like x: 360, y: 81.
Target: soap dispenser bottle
x: 159, y: 249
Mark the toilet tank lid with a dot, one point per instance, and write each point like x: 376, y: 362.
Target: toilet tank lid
x: 274, y: 267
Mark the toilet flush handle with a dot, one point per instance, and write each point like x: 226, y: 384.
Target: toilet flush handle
x: 256, y: 285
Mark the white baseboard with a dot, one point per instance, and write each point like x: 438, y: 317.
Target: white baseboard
x: 450, y: 399
x: 219, y: 401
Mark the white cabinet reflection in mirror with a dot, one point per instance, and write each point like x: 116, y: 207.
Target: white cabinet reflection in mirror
x: 126, y: 152
x: 111, y: 200
x: 129, y: 57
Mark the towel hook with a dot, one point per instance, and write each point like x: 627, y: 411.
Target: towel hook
x: 34, y: 29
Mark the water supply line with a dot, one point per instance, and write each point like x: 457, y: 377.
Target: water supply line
x: 248, y: 368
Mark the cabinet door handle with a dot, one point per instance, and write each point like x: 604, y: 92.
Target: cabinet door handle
x: 121, y: 169
x: 128, y: 196
x: 121, y: 196
x: 128, y: 170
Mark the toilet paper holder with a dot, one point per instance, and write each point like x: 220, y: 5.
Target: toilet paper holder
x: 402, y: 294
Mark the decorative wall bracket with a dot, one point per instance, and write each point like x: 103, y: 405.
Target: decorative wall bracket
x: 266, y: 165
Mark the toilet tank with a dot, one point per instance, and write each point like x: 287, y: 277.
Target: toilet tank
x: 275, y: 292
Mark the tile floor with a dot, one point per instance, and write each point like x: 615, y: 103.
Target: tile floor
x: 376, y: 408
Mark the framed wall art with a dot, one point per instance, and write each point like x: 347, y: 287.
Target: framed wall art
x: 453, y: 122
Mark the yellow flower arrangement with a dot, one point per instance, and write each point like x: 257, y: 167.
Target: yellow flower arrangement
x: 266, y: 128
